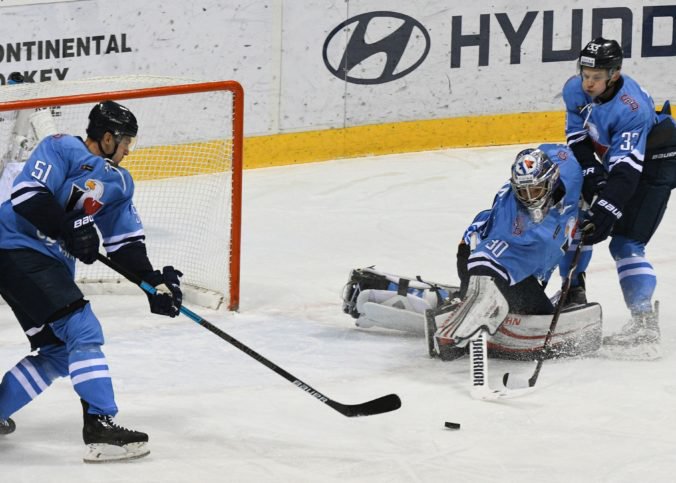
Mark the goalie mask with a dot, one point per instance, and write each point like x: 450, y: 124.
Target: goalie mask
x: 534, y: 177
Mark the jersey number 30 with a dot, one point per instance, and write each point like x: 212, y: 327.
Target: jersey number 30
x: 497, y: 247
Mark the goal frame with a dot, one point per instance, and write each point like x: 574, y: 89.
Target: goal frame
x: 180, y: 89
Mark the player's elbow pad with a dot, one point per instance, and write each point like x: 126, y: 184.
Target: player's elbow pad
x: 44, y: 212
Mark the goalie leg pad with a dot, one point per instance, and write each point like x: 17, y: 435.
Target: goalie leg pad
x: 521, y: 337
x: 361, y: 279
x: 444, y: 350
x: 371, y: 279
x: 484, y: 308
x: 389, y: 310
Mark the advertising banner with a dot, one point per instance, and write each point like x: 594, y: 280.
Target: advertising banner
x: 322, y: 65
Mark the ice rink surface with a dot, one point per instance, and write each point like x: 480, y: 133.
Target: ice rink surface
x: 215, y: 415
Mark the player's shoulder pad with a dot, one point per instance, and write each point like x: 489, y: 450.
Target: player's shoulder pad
x: 569, y: 168
x: 128, y: 179
x: 63, y: 138
x: 65, y: 142
x: 572, y: 91
x: 558, y: 153
x: 635, y: 100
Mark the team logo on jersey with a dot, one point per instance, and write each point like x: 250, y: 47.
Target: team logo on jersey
x: 519, y: 225
x: 571, y: 226
x: 87, y: 199
x: 600, y: 149
x: 628, y: 100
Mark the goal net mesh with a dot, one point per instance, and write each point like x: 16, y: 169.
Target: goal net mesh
x: 186, y: 167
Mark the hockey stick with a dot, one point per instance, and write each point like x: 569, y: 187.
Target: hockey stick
x: 522, y: 384
x: 380, y: 405
x: 478, y: 357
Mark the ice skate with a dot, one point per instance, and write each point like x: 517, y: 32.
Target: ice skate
x: 7, y: 426
x: 577, y: 294
x: 107, y: 442
x: 639, y: 339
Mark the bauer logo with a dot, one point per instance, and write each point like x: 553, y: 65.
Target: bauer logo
x: 376, y: 47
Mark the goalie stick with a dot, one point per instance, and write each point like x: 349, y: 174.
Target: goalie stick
x: 520, y: 385
x: 478, y: 357
x: 380, y: 405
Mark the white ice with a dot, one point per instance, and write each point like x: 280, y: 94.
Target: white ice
x: 215, y: 415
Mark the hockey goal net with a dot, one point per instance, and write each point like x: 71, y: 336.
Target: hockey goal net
x: 187, y: 167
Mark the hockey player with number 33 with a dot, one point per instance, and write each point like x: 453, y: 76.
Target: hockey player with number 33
x: 628, y: 154
x: 67, y: 189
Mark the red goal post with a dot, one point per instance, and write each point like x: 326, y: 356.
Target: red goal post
x: 187, y: 168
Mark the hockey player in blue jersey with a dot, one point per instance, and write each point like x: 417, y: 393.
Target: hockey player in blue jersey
x: 520, y: 241
x: 68, y: 189
x: 628, y: 155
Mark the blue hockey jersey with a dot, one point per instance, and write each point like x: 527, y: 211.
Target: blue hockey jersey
x: 619, y: 128
x: 514, y: 247
x: 79, y: 180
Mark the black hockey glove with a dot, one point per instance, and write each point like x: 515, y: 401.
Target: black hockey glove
x: 594, y: 181
x: 80, y: 237
x: 599, y: 221
x: 161, y: 302
x: 461, y: 265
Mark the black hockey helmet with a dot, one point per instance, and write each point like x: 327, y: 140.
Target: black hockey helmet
x: 602, y: 53
x: 109, y: 116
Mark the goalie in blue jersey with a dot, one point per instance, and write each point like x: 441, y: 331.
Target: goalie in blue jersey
x: 628, y: 155
x: 69, y: 191
x: 520, y: 241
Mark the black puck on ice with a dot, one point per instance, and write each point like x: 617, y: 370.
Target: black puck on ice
x: 452, y: 425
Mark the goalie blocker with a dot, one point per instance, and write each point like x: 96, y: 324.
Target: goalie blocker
x: 379, y: 299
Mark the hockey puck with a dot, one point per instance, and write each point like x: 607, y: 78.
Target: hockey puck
x: 452, y: 425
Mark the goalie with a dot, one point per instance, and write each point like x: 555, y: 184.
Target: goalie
x: 29, y: 127
x: 519, y: 242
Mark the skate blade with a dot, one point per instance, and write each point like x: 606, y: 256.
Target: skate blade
x: 639, y: 352
x: 110, y: 453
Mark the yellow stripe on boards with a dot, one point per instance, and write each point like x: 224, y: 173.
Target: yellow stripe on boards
x: 494, y: 130
x: 190, y: 159
x: 210, y: 157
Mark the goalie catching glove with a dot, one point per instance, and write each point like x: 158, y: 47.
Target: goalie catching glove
x: 168, y: 298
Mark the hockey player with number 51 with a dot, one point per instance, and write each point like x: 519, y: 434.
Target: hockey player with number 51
x: 520, y: 241
x: 67, y: 190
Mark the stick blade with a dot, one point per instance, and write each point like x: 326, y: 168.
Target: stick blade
x: 515, y: 383
x: 381, y: 405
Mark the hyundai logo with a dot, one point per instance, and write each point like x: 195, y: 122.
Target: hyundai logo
x: 380, y: 47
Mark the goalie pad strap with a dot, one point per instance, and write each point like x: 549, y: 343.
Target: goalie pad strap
x: 403, y: 286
